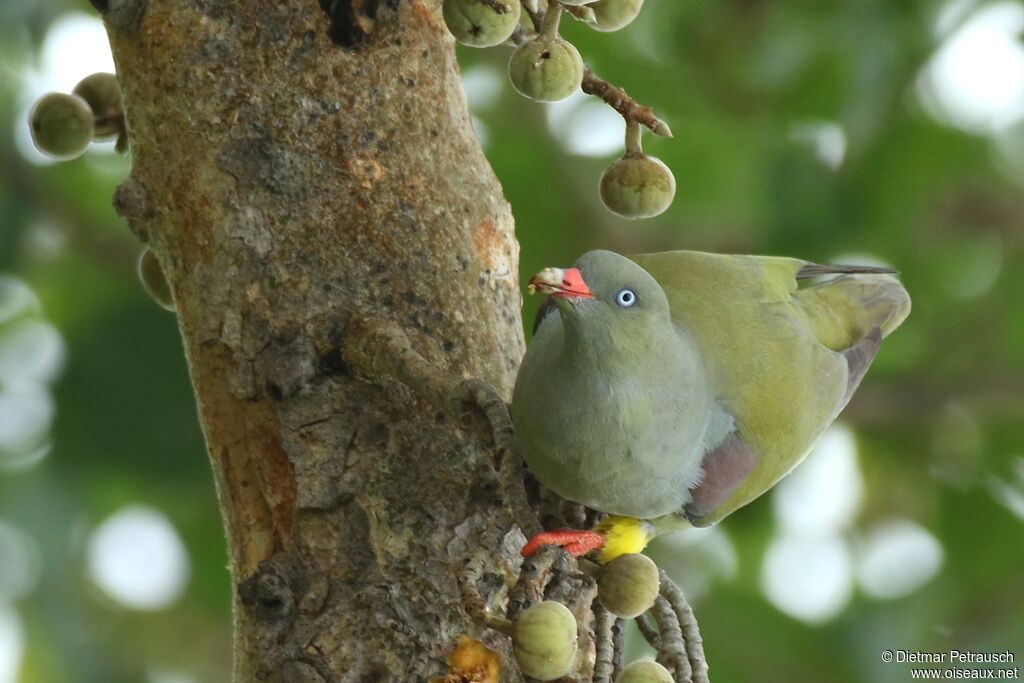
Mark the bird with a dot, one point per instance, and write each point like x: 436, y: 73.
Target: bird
x: 669, y: 389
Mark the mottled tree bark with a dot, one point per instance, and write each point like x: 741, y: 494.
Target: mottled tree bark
x: 290, y: 184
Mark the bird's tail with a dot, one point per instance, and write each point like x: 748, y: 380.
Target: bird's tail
x: 846, y: 309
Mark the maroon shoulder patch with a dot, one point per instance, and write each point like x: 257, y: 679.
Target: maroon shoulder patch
x: 724, y: 468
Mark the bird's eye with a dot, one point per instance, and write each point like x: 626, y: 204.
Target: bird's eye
x: 626, y: 297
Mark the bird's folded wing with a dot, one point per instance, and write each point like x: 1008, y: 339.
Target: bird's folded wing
x: 784, y: 360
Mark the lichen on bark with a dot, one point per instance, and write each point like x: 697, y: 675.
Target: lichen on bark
x: 287, y: 184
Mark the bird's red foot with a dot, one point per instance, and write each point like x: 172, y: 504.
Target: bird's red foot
x: 576, y: 543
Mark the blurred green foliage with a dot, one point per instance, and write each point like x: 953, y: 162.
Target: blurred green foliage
x: 751, y: 88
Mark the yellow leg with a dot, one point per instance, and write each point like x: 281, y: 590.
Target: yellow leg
x: 623, y: 535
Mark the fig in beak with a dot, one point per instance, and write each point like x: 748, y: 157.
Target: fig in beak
x: 564, y: 283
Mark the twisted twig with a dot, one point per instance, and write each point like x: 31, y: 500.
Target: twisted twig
x: 618, y: 636
x: 475, y: 604
x: 688, y: 626
x: 553, y: 574
x: 614, y: 96
x: 510, y: 465
x: 648, y: 631
x: 604, y: 658
x: 536, y: 16
x: 582, y: 13
x: 672, y: 650
x: 534, y: 576
x: 617, y: 99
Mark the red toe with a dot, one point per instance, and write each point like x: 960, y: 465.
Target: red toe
x: 576, y: 543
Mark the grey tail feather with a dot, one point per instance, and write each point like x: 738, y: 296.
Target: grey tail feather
x: 815, y: 269
x: 858, y: 358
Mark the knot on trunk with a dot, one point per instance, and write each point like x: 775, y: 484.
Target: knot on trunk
x: 268, y: 593
x: 352, y: 21
x: 123, y: 15
x: 130, y: 203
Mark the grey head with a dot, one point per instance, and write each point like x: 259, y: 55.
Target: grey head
x: 607, y: 301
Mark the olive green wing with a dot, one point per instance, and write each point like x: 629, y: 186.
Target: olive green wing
x: 784, y: 360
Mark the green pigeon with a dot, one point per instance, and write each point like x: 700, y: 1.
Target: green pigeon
x: 672, y: 388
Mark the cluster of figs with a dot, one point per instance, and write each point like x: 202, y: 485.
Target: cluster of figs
x: 64, y: 124
x: 547, y: 68
x: 545, y: 635
x: 544, y: 67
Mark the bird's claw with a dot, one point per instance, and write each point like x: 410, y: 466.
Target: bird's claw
x: 576, y: 543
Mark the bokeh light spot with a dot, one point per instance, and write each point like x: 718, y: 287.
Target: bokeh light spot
x: 951, y: 15
x: 825, y: 138
x: 31, y: 357
x: 16, y: 298
x: 975, y: 80
x: 896, y: 558
x: 823, y: 494
x: 957, y: 440
x: 170, y: 677
x: 26, y: 413
x: 30, y: 351
x: 12, y: 644
x: 586, y: 126
x: 75, y: 46
x: 979, y: 263
x: 696, y: 557
x: 1010, y: 494
x: 807, y: 577
x: 483, y: 85
x: 19, y: 563
x: 137, y: 558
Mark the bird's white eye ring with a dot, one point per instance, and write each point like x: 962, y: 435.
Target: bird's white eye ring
x: 626, y: 297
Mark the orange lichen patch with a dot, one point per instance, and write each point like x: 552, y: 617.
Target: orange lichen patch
x: 255, y: 477
x: 472, y: 662
x: 261, y: 483
x: 489, y: 244
x: 277, y: 477
x: 426, y: 14
x: 366, y: 171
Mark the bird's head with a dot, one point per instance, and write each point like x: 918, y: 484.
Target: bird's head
x: 604, y: 292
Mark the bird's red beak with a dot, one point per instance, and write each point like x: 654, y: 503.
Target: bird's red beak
x: 564, y: 283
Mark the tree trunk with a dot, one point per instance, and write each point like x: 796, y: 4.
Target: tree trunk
x: 289, y: 186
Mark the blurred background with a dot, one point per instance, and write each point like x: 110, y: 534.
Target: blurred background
x: 873, y: 131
